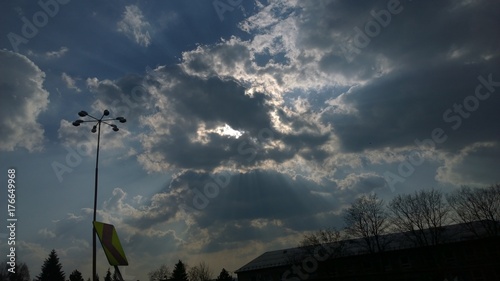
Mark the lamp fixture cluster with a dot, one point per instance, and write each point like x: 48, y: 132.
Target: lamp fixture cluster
x: 100, y: 120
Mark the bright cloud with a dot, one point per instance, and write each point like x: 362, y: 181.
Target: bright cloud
x: 23, y: 98
x: 70, y: 82
x: 134, y: 26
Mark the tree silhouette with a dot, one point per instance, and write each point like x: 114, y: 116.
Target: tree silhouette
x: 329, y: 240
x: 51, y: 269
x: 368, y: 219
x: 322, y: 236
x: 179, y: 273
x: 200, y: 272
x: 108, y: 276
x: 478, y: 206
x: 420, y: 216
x: 21, y: 272
x: 76, y: 276
x: 224, y: 276
x: 160, y: 274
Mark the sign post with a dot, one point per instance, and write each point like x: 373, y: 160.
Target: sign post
x: 111, y: 245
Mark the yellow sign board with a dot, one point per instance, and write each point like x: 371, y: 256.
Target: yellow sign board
x: 110, y: 243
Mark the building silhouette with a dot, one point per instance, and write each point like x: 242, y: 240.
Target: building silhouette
x: 465, y: 253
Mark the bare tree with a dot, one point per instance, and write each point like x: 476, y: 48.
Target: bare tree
x: 420, y: 216
x: 477, y: 206
x: 200, y: 272
x: 368, y: 219
x: 325, y: 242
x: 21, y: 272
x: 160, y: 274
x: 323, y: 236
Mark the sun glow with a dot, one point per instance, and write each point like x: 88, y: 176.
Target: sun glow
x: 226, y: 130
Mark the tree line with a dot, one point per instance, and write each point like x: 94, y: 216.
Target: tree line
x: 52, y: 271
x: 199, y: 272
x: 420, y: 217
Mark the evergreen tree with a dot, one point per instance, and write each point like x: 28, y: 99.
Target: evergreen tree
x: 179, y: 273
x: 224, y: 276
x: 76, y: 276
x: 108, y: 276
x: 51, y: 269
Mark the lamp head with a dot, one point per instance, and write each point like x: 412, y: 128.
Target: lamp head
x: 121, y: 119
x: 83, y: 113
x: 94, y: 129
x: 106, y: 112
x: 77, y: 122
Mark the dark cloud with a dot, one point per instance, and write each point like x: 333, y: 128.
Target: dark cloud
x: 262, y: 194
x: 398, y: 109
x: 226, y: 197
x: 427, y: 59
x: 474, y: 165
x: 231, y: 235
x: 195, y: 107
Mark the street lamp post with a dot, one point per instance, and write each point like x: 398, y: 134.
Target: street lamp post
x: 97, y: 128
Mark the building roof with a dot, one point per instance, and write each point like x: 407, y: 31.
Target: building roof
x: 352, y: 247
x: 271, y: 259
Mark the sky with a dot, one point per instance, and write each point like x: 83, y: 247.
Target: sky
x: 249, y: 123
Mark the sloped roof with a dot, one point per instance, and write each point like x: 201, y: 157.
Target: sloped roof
x: 284, y: 257
x: 271, y: 259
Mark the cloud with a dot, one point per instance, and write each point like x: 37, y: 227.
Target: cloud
x: 116, y: 98
x: 50, y: 54
x: 256, y: 207
x: 134, y: 26
x: 389, y: 95
x: 300, y: 106
x: 475, y: 165
x: 196, y: 216
x: 202, y: 197
x: 22, y: 100
x: 70, y: 82
x: 189, y: 125
x: 57, y: 54
x: 46, y: 233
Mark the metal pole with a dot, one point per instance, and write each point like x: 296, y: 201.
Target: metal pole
x: 94, y: 237
x: 118, y: 273
x: 97, y: 128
